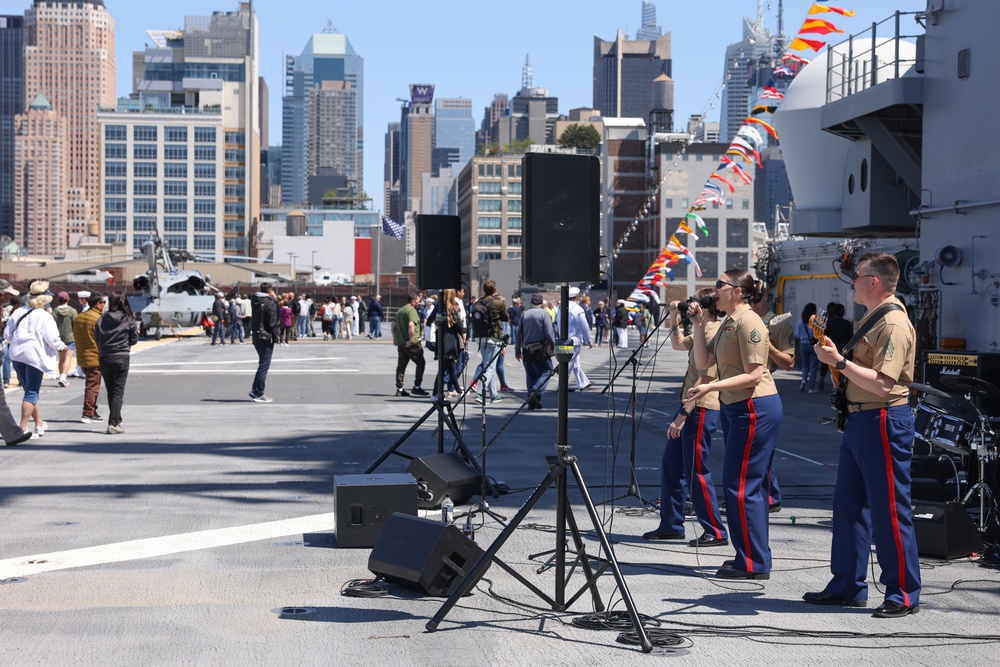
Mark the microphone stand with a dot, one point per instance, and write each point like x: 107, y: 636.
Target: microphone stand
x: 633, y: 362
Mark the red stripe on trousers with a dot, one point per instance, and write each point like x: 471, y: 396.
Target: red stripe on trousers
x: 741, y: 496
x: 893, y: 512
x: 701, y: 475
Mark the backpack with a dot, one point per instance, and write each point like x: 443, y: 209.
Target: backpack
x: 482, y: 318
x: 327, y: 313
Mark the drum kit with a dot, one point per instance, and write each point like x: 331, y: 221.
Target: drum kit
x: 959, y: 424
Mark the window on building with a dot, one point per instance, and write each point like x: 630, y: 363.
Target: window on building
x: 729, y: 203
x: 204, y: 153
x: 175, y: 205
x: 204, y: 206
x: 204, y: 170
x: 176, y: 241
x: 489, y: 188
x: 490, y: 239
x: 236, y: 155
x: 144, y: 223
x: 204, y: 188
x: 144, y: 169
x: 514, y: 205
x: 490, y: 205
x: 235, y: 190
x: 144, y: 133
x: 236, y: 138
x: 144, y: 205
x: 203, y: 242
x: 712, y: 240
x: 115, y: 223
x: 514, y: 240
x: 204, y: 225
x: 204, y: 135
x: 514, y: 188
x: 699, y: 158
x: 684, y: 202
x: 175, y: 134
x: 513, y: 254
x: 115, y: 169
x: 115, y: 133
x: 486, y: 256
x: 234, y: 208
x: 179, y: 152
x: 737, y: 233
x: 175, y: 170
x: 115, y: 187
x: 175, y: 188
x: 482, y: 170
x: 144, y: 151
x: 114, y: 238
x: 234, y: 225
x: 174, y: 224
x: 234, y: 173
x: 668, y: 202
x: 115, y: 205
x: 237, y: 243
x: 490, y: 222
x: 144, y: 188
x: 746, y: 204
x: 514, y: 222
x: 115, y: 151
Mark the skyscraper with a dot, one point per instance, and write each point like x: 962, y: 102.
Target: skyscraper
x: 390, y: 179
x: 757, y: 44
x: 41, y: 185
x: 624, y: 72
x: 311, y: 119
x: 416, y: 144
x: 69, y: 56
x: 11, y: 104
x: 454, y: 127
x: 649, y: 29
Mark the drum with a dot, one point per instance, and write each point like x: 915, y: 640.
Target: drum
x: 924, y: 422
x: 951, y: 433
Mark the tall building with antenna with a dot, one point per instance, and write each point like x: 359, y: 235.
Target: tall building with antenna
x: 739, y: 75
x: 649, y: 29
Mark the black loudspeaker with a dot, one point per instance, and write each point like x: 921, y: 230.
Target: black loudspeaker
x: 439, y: 251
x: 562, y: 218
x: 428, y: 556
x: 363, y: 504
x: 444, y: 474
x: 945, y: 530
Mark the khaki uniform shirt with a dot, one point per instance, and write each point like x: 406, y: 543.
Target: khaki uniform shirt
x: 742, y: 341
x: 709, y: 401
x: 782, y: 335
x: 889, y: 348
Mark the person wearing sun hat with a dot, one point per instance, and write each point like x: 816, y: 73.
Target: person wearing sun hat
x: 34, y: 346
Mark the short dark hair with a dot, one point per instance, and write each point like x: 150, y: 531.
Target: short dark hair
x: 94, y: 299
x: 489, y: 287
x: 884, y: 266
x: 266, y: 287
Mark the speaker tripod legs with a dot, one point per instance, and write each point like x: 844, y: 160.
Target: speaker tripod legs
x: 557, y: 475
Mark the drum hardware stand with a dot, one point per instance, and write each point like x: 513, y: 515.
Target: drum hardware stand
x: 561, y: 464
x: 446, y: 417
x: 983, y: 453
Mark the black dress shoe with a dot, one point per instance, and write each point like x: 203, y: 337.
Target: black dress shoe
x: 822, y: 597
x: 662, y: 535
x: 890, y: 609
x: 776, y: 507
x: 24, y: 437
x: 731, y: 573
x: 707, y: 540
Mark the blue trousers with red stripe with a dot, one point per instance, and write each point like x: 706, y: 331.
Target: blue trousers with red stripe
x: 751, y: 435
x: 686, y: 458
x: 872, y: 498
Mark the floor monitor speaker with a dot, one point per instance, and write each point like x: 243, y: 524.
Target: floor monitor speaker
x: 429, y: 556
x: 363, y: 503
x: 562, y: 218
x: 945, y: 530
x: 439, y: 251
x: 444, y: 474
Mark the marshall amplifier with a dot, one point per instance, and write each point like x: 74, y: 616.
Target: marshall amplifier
x: 947, y: 363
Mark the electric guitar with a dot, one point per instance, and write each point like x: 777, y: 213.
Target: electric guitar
x: 838, y: 399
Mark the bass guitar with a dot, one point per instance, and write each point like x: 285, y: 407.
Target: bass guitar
x: 817, y: 324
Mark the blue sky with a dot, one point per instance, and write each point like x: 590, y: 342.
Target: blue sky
x: 476, y: 49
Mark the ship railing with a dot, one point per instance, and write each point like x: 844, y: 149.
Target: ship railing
x: 860, y: 62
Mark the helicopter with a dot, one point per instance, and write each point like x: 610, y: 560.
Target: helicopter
x: 170, y: 297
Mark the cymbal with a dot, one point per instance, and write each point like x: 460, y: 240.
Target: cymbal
x: 967, y: 385
x: 929, y: 390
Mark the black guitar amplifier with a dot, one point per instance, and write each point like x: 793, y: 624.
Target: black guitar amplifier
x: 949, y: 363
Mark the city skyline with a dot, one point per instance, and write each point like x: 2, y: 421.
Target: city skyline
x: 470, y: 51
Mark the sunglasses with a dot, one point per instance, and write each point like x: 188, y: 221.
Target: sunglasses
x: 720, y: 283
x: 857, y: 275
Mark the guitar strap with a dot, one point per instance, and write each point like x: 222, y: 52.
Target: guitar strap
x: 864, y: 329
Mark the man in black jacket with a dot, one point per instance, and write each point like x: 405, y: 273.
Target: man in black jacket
x: 264, y: 330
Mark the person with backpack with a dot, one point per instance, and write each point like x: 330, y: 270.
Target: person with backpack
x: 487, y: 315
x: 326, y: 314
x: 221, y: 313
x: 235, y: 321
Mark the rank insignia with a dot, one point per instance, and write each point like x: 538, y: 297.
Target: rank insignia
x: 755, y: 337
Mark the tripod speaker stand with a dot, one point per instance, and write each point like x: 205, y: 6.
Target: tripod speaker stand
x: 561, y: 465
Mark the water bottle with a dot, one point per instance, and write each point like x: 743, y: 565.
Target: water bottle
x: 447, y: 510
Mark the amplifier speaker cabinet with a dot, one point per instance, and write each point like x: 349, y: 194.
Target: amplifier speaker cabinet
x: 981, y: 365
x: 439, y: 251
x: 428, y: 556
x: 945, y: 530
x: 444, y: 474
x: 363, y: 504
